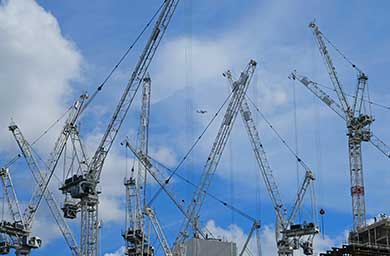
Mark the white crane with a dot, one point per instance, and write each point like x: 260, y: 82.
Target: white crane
x: 22, y: 229
x: 159, y: 177
x: 365, y: 135
x: 134, y: 235
x: 159, y: 232
x: 84, y: 187
x: 358, y: 123
x: 239, y: 89
x: 290, y: 239
x: 39, y: 177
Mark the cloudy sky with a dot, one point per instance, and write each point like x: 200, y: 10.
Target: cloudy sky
x: 52, y: 51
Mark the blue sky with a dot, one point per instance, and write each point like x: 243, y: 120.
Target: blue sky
x: 54, y: 50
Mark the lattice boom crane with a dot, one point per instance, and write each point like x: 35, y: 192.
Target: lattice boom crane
x: 239, y: 89
x: 84, y: 187
x: 285, y: 243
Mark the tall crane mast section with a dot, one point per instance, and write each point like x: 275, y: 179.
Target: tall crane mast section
x: 358, y: 125
x: 134, y: 235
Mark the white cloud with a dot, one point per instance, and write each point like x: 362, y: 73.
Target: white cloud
x: 37, y: 66
x: 118, y: 252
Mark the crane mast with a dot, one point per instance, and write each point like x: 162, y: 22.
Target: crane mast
x: 284, y: 244
x: 84, y: 187
x: 239, y: 89
x: 136, y: 242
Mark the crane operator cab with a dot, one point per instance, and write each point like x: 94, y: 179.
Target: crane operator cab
x: 33, y: 242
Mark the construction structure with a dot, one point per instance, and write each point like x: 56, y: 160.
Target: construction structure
x: 82, y: 175
x: 363, y: 239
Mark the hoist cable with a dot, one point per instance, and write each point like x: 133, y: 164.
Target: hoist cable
x: 224, y: 203
x: 16, y: 157
x: 341, y: 54
x: 122, y: 58
x: 369, y: 101
x: 301, y: 162
x: 192, y: 147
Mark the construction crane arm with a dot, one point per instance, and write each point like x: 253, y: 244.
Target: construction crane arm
x: 324, y: 97
x: 317, y: 91
x: 10, y: 194
x: 260, y: 155
x: 43, y: 191
x: 309, y: 177
x: 380, y: 145
x: 358, y: 99
x: 59, y: 146
x: 157, y: 176
x: 239, y: 89
x: 159, y: 232
x: 255, y: 226
x: 330, y: 67
x: 134, y: 83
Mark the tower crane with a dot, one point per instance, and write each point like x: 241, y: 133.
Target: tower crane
x: 136, y: 242
x: 12, y: 233
x: 22, y: 229
x: 290, y: 232
x: 357, y: 121
x: 84, y: 187
x: 362, y: 134
x: 161, y: 180
x: 239, y: 89
x: 39, y: 177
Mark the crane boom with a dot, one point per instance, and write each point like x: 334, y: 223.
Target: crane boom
x: 317, y: 91
x: 309, y: 177
x: 157, y: 176
x: 239, y: 89
x: 159, y: 232
x: 84, y: 187
x: 59, y: 146
x: 10, y: 194
x: 327, y: 99
x: 260, y: 155
x: 39, y: 177
x: 284, y: 244
x: 130, y: 90
x: 255, y: 226
x: 330, y: 66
